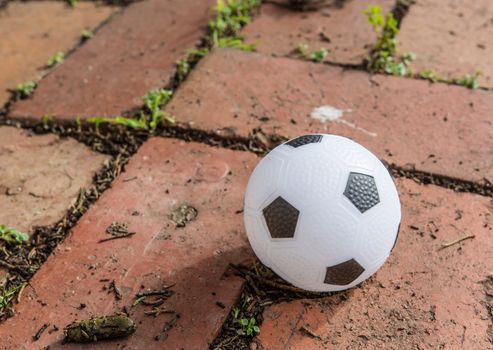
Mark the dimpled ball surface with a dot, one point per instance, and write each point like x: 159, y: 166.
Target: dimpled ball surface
x: 322, y: 212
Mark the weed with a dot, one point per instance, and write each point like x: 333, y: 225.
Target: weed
x: 150, y: 117
x: 302, y: 50
x: 78, y: 123
x: 45, y: 119
x: 247, y: 324
x: 138, y: 300
x: 432, y: 76
x: 11, y: 235
x: 319, y: 55
x: 182, y: 67
x: 377, y: 21
x: 315, y: 56
x: 231, y: 16
x: 223, y: 31
x: 383, y: 56
x: 72, y: 3
x: 198, y: 52
x: 153, y: 101
x: 137, y: 124
x: 56, y: 59
x: 236, y: 43
x: 245, y: 300
x: 26, y: 89
x: 401, y: 68
x: 6, y: 295
x: 385, y: 47
x: 469, y: 80
x: 249, y: 327
x: 86, y: 35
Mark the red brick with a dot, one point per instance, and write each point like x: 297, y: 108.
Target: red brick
x: 41, y: 176
x: 162, y: 175
x: 432, y: 127
x: 132, y: 54
x: 424, y: 297
x: 460, y: 44
x: 277, y: 30
x: 32, y: 32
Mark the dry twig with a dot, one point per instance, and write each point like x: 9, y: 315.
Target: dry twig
x: 446, y: 245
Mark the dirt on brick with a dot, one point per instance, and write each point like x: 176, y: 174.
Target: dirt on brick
x: 183, y: 215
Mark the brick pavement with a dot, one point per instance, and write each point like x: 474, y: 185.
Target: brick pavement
x: 162, y: 175
x: 134, y: 53
x: 431, y: 127
x: 423, y: 297
x: 449, y: 38
x: 32, y: 32
x: 41, y: 176
x: 341, y: 29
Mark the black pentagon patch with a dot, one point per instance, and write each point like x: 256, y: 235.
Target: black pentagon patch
x: 396, y: 236
x: 362, y: 191
x: 343, y: 273
x: 281, y: 218
x: 304, y: 140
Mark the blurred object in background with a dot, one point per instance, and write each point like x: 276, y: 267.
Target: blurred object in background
x: 305, y: 5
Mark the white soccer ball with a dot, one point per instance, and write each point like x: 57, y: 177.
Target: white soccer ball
x: 322, y: 212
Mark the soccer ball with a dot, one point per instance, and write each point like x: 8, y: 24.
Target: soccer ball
x: 322, y: 212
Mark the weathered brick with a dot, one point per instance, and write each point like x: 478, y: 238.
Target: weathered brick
x: 161, y: 176
x: 41, y: 176
x: 450, y: 37
x: 431, y: 127
x: 34, y: 31
x: 132, y: 54
x: 424, y: 297
x: 340, y: 27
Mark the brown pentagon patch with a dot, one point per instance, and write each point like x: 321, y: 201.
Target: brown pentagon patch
x: 343, y: 273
